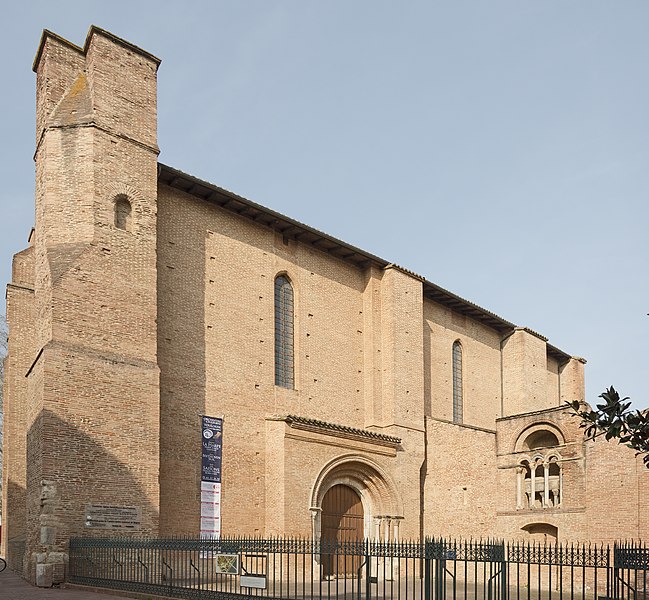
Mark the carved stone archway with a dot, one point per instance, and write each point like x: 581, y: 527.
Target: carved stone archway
x: 382, y: 507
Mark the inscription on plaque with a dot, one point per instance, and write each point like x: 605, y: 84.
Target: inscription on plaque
x: 106, y: 516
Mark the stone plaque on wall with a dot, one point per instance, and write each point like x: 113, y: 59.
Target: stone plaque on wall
x: 106, y: 516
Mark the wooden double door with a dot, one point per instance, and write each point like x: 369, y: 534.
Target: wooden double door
x: 342, y: 520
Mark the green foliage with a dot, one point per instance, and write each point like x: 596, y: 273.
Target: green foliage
x: 615, y: 420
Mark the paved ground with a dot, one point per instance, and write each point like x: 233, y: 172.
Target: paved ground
x: 13, y: 587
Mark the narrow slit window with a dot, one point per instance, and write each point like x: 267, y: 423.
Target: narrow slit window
x: 122, y: 213
x: 284, y: 318
x: 457, y: 382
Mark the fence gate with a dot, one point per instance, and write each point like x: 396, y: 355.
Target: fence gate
x: 468, y: 570
x: 630, y: 566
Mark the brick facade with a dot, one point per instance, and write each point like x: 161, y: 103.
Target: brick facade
x: 146, y: 299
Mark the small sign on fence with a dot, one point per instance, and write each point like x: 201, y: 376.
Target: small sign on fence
x: 253, y: 581
x: 227, y: 564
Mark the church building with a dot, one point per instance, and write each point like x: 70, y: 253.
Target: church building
x: 356, y: 399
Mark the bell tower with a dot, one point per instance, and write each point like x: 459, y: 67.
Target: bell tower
x: 92, y: 416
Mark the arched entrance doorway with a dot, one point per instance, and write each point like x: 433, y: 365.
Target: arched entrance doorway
x: 342, y: 521
x: 342, y: 514
x: 353, y: 498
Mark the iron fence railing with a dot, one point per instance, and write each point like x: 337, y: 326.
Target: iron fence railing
x: 298, y: 569
x: 630, y: 564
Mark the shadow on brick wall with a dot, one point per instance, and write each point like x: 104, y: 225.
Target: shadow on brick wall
x: 69, y: 471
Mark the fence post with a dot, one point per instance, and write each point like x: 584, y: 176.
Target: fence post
x: 504, y: 566
x: 439, y: 563
x: 609, y: 568
x: 427, y: 565
x: 615, y: 579
x: 490, y: 582
x: 368, y: 570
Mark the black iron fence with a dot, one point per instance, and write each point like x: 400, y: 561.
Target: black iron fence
x: 631, y: 565
x: 294, y: 569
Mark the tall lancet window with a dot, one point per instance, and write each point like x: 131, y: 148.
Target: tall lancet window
x: 284, y: 371
x: 457, y: 382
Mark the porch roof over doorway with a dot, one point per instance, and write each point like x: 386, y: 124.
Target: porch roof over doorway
x: 304, y: 423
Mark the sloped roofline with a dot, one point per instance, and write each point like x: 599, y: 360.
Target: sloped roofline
x: 326, y: 243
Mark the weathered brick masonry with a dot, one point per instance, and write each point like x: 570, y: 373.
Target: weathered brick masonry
x: 146, y: 299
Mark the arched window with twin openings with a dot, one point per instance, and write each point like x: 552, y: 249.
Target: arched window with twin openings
x: 457, y: 383
x: 539, y: 482
x: 284, y: 324
x: 540, y: 469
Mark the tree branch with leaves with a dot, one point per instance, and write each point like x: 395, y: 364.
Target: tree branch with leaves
x: 615, y: 420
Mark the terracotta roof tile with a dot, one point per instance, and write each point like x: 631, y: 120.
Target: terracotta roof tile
x: 315, y: 425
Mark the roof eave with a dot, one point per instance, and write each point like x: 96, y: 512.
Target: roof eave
x: 326, y: 243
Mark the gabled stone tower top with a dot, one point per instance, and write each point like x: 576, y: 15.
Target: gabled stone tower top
x: 47, y: 34
x: 109, y: 83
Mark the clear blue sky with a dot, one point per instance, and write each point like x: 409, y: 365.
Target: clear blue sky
x: 498, y: 148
